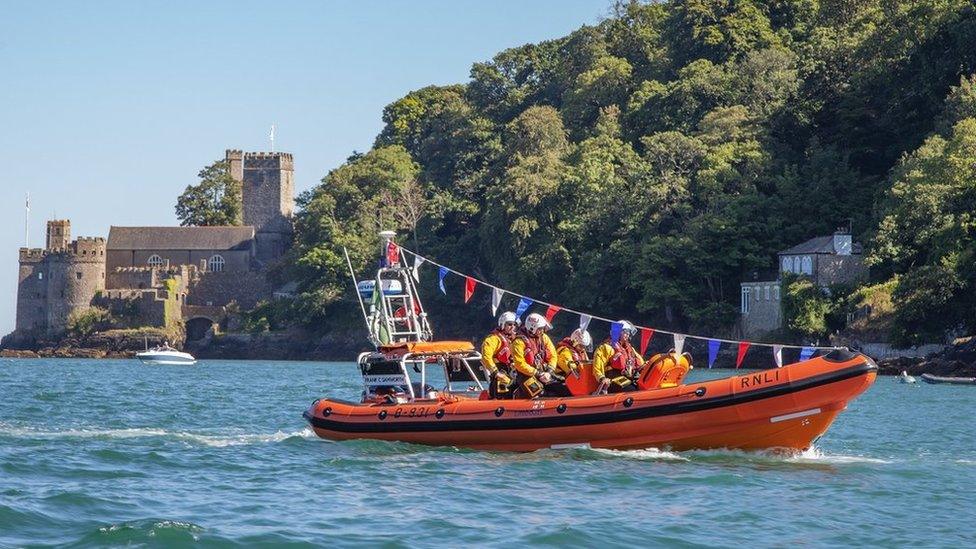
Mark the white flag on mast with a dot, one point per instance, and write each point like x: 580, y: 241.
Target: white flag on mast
x: 417, y: 261
x: 585, y: 321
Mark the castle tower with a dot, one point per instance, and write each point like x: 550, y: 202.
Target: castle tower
x: 268, y: 194
x: 58, y: 281
x: 235, y: 163
x: 58, y: 234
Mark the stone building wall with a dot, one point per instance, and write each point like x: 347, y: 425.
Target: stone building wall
x: 268, y: 196
x: 234, y: 260
x: 218, y: 289
x: 839, y: 269
x: 764, y: 307
x: 150, y: 307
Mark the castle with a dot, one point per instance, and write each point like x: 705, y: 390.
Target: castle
x: 162, y: 276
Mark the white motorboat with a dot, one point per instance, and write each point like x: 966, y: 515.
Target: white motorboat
x: 165, y: 355
x: 905, y: 378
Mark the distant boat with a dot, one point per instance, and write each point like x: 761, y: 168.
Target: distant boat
x: 905, y: 378
x: 165, y: 355
x: 937, y: 380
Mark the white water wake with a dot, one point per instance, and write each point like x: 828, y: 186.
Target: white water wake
x: 217, y: 440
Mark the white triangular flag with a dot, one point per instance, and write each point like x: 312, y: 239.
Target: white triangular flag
x: 417, y: 260
x: 496, y: 300
x: 585, y: 321
x: 778, y: 355
x: 679, y: 343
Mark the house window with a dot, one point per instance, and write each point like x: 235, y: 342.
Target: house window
x: 766, y: 292
x: 40, y: 276
x: 796, y: 265
x: 776, y: 293
x: 786, y: 264
x: 155, y: 261
x: 746, y: 291
x: 216, y: 263
x: 807, y: 265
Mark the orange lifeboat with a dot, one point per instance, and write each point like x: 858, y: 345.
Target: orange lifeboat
x: 781, y: 408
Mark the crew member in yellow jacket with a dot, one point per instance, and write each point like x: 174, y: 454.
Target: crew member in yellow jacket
x: 617, y: 365
x: 534, y: 358
x: 573, y: 351
x: 496, y: 356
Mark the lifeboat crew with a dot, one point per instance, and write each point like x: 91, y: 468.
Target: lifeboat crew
x: 616, y: 365
x: 496, y: 356
x: 534, y: 358
x: 572, y: 351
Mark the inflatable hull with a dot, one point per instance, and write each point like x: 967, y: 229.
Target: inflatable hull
x: 940, y: 380
x: 785, y: 408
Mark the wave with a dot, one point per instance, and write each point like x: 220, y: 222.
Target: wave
x: 652, y: 454
x: 207, y: 439
x: 812, y: 455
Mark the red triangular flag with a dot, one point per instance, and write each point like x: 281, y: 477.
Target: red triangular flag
x: 646, y: 335
x: 551, y: 312
x: 469, y: 284
x: 743, y: 349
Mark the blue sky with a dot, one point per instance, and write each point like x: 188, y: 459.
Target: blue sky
x: 109, y: 109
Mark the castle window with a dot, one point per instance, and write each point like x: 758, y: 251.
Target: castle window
x: 78, y: 274
x: 40, y: 276
x: 745, y: 299
x: 155, y: 261
x: 216, y: 263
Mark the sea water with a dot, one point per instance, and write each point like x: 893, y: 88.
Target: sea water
x: 110, y: 453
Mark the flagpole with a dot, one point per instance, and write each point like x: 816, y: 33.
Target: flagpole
x: 27, y: 222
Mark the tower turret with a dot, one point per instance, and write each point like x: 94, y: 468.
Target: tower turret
x: 268, y: 196
x: 58, y: 234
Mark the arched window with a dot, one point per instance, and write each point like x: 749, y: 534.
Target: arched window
x: 796, y: 264
x: 216, y: 263
x: 807, y: 265
x: 155, y: 261
x: 786, y: 264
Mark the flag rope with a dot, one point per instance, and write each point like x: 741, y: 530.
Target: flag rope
x: 608, y: 320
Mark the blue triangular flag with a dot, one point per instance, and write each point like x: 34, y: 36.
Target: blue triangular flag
x: 442, y: 274
x: 713, y: 345
x: 615, y: 329
x: 806, y: 353
x: 523, y: 306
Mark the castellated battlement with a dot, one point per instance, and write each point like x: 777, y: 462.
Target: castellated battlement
x: 268, y: 161
x: 84, y: 249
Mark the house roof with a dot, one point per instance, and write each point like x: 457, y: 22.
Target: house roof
x: 180, y: 238
x: 819, y: 245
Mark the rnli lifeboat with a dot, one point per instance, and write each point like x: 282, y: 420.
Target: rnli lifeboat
x: 782, y: 408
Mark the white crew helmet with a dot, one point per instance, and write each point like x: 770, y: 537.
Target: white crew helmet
x: 627, y: 326
x: 582, y: 337
x: 506, y: 317
x: 536, y: 322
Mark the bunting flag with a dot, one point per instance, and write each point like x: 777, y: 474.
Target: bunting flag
x: 778, y: 355
x: 743, y: 349
x: 469, y: 284
x: 551, y: 312
x: 806, y: 353
x: 417, y: 261
x: 585, y: 322
x: 392, y: 254
x: 523, y: 306
x: 646, y: 335
x: 441, y: 274
x: 713, y: 345
x: 496, y: 300
x: 679, y: 343
x: 615, y: 329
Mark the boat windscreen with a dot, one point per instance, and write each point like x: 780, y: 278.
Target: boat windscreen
x: 379, y: 368
x: 457, y: 370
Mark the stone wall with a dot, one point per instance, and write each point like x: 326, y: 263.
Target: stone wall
x: 218, y: 289
x: 267, y: 191
x: 234, y: 260
x: 839, y: 269
x: 765, y: 308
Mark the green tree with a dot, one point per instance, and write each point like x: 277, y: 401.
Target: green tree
x: 215, y: 200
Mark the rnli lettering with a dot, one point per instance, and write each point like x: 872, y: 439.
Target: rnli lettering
x: 762, y: 378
